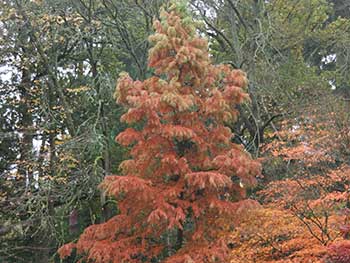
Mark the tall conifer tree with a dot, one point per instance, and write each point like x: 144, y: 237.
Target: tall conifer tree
x: 184, y: 171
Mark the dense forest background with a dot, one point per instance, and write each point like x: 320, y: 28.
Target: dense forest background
x: 59, y: 62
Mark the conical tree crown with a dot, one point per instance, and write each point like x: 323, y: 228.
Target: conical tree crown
x: 183, y: 169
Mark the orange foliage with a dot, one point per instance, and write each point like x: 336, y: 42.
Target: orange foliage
x: 304, y: 215
x: 273, y: 235
x: 66, y: 249
x: 184, y: 171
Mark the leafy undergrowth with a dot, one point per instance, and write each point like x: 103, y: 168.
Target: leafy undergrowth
x: 304, y: 215
x: 273, y: 235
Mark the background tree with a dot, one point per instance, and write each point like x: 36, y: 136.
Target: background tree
x: 60, y: 60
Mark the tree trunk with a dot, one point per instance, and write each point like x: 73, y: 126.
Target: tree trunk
x: 26, y: 126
